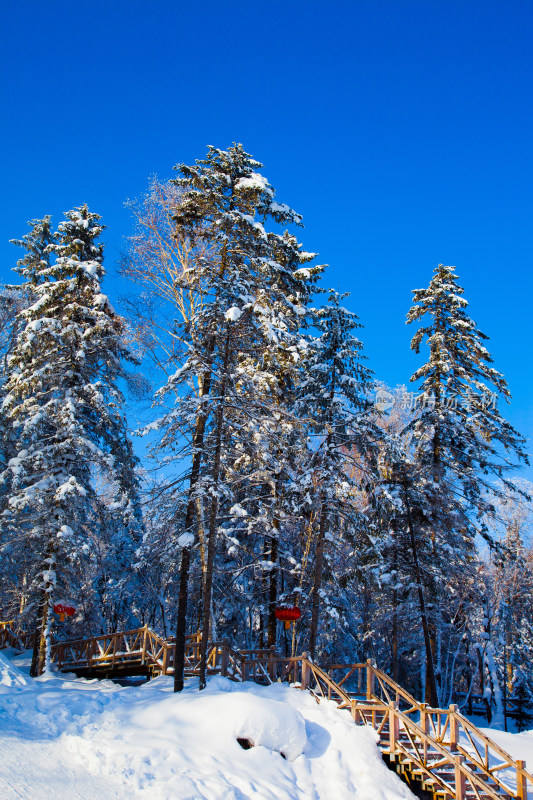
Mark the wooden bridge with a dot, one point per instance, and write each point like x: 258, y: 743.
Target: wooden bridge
x: 439, y: 752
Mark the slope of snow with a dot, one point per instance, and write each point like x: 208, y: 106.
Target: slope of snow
x: 10, y: 675
x: 73, y: 739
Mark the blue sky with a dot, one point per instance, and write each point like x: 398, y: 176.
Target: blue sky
x: 400, y: 129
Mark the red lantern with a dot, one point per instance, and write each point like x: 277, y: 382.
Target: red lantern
x: 63, y: 611
x: 288, y: 614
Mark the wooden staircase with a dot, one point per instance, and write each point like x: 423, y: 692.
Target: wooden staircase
x: 438, y: 751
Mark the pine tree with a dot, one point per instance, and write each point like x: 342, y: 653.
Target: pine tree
x: 460, y: 433
x: 38, y: 244
x: 236, y: 345
x: 461, y: 442
x: 64, y: 409
x: 334, y: 397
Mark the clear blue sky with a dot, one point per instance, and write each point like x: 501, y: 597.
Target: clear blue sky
x: 400, y: 129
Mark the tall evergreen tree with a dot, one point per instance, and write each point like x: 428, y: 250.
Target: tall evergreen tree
x: 460, y: 433
x: 64, y: 409
x: 254, y: 284
x: 334, y: 397
x: 461, y: 441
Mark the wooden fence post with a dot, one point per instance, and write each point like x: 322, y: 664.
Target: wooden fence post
x: 304, y: 683
x: 521, y: 780
x: 369, y: 679
x: 460, y: 781
x: 454, y: 727
x: 164, y: 668
x: 272, y: 662
x: 424, y: 722
x: 356, y: 716
x: 244, y: 668
x: 145, y: 636
x: 394, y: 729
x: 224, y: 656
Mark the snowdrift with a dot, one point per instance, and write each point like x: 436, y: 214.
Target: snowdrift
x: 10, y: 675
x: 64, y: 737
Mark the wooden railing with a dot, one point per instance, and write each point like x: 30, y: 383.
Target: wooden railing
x: 438, y: 741
x: 10, y: 637
x: 439, y: 747
x: 139, y: 647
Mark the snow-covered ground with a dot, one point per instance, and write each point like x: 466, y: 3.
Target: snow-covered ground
x: 70, y: 739
x: 518, y: 745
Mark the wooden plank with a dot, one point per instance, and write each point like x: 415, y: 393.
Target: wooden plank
x: 394, y: 728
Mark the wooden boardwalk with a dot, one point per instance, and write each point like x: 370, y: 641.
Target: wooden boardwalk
x: 435, y: 750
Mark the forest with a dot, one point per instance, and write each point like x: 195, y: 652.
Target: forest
x: 281, y: 471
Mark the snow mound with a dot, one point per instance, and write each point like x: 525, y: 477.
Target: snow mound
x: 66, y: 737
x: 10, y: 676
x: 265, y: 723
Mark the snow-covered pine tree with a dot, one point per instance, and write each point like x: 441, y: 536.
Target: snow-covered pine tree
x: 64, y: 409
x: 334, y: 396
x: 461, y: 441
x: 419, y: 549
x: 254, y: 284
x: 12, y: 570
x: 420, y: 572
x: 460, y: 434
x: 270, y: 456
x: 37, y: 244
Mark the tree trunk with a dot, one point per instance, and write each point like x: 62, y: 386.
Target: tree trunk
x: 181, y: 621
x: 41, y: 655
x: 395, y: 614
x: 319, y: 559
x: 272, y: 593
x: 273, y: 575
x: 208, y: 587
x: 431, y: 685
x: 198, y: 451
x: 39, y: 645
x: 317, y: 582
